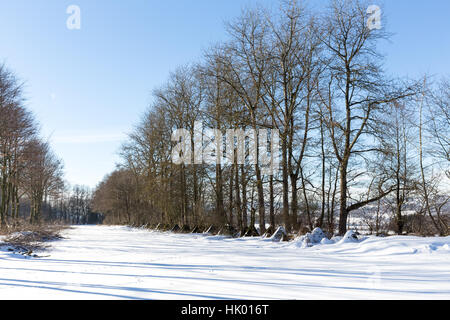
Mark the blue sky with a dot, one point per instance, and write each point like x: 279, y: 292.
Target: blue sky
x: 89, y: 87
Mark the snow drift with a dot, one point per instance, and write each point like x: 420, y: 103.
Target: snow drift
x: 95, y: 262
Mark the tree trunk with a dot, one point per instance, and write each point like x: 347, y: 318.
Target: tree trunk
x: 285, y: 182
x: 230, y: 200
x: 272, y: 200
x: 343, y: 212
x: 219, y: 196
x: 238, y: 200
x: 294, y: 203
x: 261, y: 204
x: 322, y: 142
x: 244, y: 198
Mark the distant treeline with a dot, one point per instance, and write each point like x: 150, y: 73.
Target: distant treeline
x: 74, y: 207
x: 29, y: 170
x: 32, y: 186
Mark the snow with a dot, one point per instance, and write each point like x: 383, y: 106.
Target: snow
x: 326, y: 241
x: 313, y: 238
x: 279, y: 234
x: 350, y: 236
x: 100, y: 262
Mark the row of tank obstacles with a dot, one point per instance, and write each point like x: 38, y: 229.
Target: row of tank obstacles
x: 225, y: 230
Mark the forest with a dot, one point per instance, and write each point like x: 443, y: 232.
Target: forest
x: 358, y: 146
x: 32, y: 185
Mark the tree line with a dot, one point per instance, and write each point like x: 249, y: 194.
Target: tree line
x: 354, y: 141
x: 32, y: 185
x: 28, y: 167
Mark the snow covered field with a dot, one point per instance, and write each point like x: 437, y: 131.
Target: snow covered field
x: 99, y: 262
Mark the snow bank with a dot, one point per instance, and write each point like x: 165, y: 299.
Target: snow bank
x: 95, y: 262
x: 311, y: 239
x: 396, y: 246
x: 326, y: 241
x: 279, y: 235
x: 349, y: 237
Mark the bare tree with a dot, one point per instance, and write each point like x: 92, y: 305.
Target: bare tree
x: 356, y: 92
x: 17, y: 127
x: 42, y: 175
